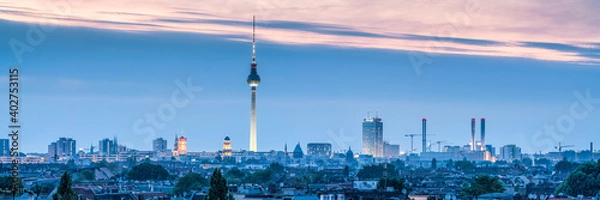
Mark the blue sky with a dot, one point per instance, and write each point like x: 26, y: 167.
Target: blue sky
x: 91, y: 83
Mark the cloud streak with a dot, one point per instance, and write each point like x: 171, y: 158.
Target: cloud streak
x: 563, y: 31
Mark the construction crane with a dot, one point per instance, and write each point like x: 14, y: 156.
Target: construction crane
x: 560, y: 148
x: 412, y: 136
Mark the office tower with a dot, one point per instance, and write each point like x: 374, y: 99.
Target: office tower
x: 66, y: 147
x: 390, y: 150
x: 253, y: 81
x: 4, y: 147
x: 226, y: 147
x: 424, y: 134
x: 372, y: 136
x: 52, y: 151
x: 159, y: 145
x: 180, y: 147
x: 106, y: 147
x: 510, y: 152
x: 63, y: 147
x: 318, y: 149
x: 473, y: 141
x: 482, y: 134
x: 298, y: 153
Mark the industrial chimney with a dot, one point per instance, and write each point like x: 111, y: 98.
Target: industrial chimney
x: 482, y: 134
x: 424, y: 134
x: 473, y: 142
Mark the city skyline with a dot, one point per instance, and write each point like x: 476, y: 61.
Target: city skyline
x: 535, y: 91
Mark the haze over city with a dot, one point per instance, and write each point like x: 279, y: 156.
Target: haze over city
x: 104, y: 67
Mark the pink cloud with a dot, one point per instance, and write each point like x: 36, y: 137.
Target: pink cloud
x: 359, y: 24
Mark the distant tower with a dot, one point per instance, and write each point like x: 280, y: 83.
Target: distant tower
x: 372, y: 136
x: 226, y: 147
x: 482, y: 134
x: 349, y: 155
x: 285, y: 152
x: 298, y: 153
x: 182, y: 145
x: 424, y: 134
x: 175, y: 145
x: 253, y: 81
x: 473, y: 141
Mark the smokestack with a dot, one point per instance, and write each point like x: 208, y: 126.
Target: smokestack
x: 424, y: 134
x: 473, y: 142
x: 482, y: 134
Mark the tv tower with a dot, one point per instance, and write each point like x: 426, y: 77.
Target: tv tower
x: 253, y: 81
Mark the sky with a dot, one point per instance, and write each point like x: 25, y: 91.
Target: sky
x: 102, y: 69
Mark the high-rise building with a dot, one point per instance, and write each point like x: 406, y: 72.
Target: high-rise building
x: 226, y: 147
x: 372, y: 136
x: 66, y: 147
x: 108, y: 147
x: 510, y: 152
x: 253, y: 81
x: 390, y: 150
x: 52, y: 151
x: 180, y: 147
x: 4, y: 147
x: 63, y: 147
x: 473, y: 141
x: 318, y: 149
x: 159, y: 145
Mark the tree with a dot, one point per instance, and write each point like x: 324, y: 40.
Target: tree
x: 218, y: 187
x: 260, y: 176
x: 276, y: 167
x: 148, y: 171
x: 584, y: 180
x: 43, y: 189
x: 464, y: 165
x: 6, y: 182
x: 527, y: 162
x: 483, y: 184
x: 374, y: 172
x: 397, y: 183
x: 86, y: 175
x: 100, y: 164
x: 542, y: 161
x: 433, y: 163
x: 234, y: 174
x: 565, y: 166
x: 346, y: 171
x: 450, y: 164
x: 189, y: 182
x: 65, y: 190
x: 399, y: 164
